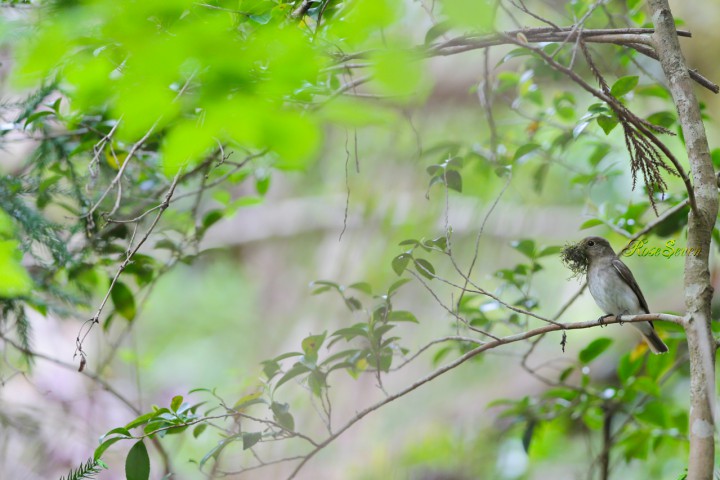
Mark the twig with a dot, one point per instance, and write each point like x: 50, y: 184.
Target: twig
x: 448, y: 309
x: 521, y: 6
x: 424, y: 348
x: 120, y: 173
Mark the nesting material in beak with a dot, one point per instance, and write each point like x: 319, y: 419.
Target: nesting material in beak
x: 575, y: 259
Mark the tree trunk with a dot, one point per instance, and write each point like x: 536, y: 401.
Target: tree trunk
x: 698, y: 291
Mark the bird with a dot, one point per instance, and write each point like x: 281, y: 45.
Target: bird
x: 615, y: 289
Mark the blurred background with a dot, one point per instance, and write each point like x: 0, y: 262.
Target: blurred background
x: 248, y: 296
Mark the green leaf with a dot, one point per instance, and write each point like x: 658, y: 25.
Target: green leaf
x: 647, y: 385
x: 518, y: 52
x: 326, y: 284
x: 453, y: 180
x: 525, y: 246
x: 353, y: 304
x: 270, y: 368
x: 250, y: 438
x: 595, y: 349
x: 601, y: 150
x: 137, y: 463
x: 579, y: 128
x: 105, y: 445
x: 176, y: 402
x: 262, y: 185
x: 217, y: 449
x: 402, y: 316
x: 424, y: 268
x: 665, y: 119
x: 628, y: 367
x: 396, y: 285
x: 37, y: 115
x: 440, y: 243
x: 297, y: 369
x: 410, y: 241
x: 624, y: 85
x: 282, y: 415
x: 167, y: 245
x: 311, y: 345
x: 566, y: 373
x: 199, y: 429
x: 210, y: 218
x: 123, y: 300
x: 593, y: 222
x: 14, y: 279
x: 653, y: 90
x: 437, y: 30
x: 362, y: 286
x: 525, y: 150
x: 142, y: 419
x: 607, y: 123
x: 440, y: 354
x: 653, y: 413
x: 552, y: 250
x: 348, y: 333
x: 123, y: 432
x: 528, y: 434
x: 339, y: 355
x: 250, y: 399
x: 400, y: 263
x: 316, y: 382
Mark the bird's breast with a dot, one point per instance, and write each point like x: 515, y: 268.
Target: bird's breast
x: 610, y: 291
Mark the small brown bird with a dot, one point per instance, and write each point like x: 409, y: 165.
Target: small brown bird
x: 614, y: 288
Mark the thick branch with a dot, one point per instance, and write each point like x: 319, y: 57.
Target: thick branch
x: 698, y: 290
x: 636, y: 38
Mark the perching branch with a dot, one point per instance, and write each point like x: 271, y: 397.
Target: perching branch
x: 474, y: 352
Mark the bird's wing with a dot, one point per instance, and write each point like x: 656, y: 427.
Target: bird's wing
x: 628, y: 278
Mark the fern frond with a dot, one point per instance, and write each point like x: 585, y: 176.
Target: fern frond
x: 88, y: 470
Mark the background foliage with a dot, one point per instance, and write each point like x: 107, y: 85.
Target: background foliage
x: 175, y: 174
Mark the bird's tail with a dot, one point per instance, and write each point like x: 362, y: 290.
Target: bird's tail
x: 656, y: 344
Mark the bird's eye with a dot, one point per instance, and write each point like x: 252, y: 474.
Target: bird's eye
x: 591, y: 243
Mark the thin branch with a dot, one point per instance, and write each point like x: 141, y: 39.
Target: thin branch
x: 637, y: 38
x: 115, y: 181
x: 258, y: 466
x: 231, y: 414
x: 130, y: 254
x: 448, y: 309
x: 424, y: 348
x: 218, y: 181
x: 98, y: 380
x: 520, y: 5
x: 474, y: 352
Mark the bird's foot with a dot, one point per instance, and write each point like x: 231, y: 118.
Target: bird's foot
x: 601, y: 320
